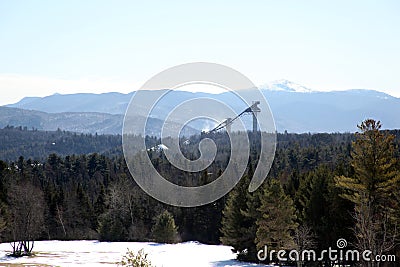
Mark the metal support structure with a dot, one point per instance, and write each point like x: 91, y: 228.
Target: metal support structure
x: 253, y: 109
x: 228, y: 125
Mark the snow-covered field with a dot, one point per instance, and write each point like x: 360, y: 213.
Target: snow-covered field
x: 94, y: 253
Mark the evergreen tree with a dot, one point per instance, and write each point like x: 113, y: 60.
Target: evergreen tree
x: 232, y: 222
x: 320, y: 209
x: 3, y: 198
x: 372, y: 188
x: 251, y: 213
x: 204, y: 221
x: 111, y: 227
x: 100, y: 204
x: 238, y: 222
x: 276, y: 224
x: 164, y: 229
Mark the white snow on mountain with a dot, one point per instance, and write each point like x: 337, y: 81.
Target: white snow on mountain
x: 285, y: 85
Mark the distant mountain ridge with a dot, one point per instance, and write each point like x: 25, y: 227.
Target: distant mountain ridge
x: 78, y: 122
x: 89, y: 122
x: 111, y: 103
x: 295, y: 108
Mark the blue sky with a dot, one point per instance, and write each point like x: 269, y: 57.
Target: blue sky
x: 100, y: 46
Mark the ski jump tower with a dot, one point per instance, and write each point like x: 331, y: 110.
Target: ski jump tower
x: 253, y: 109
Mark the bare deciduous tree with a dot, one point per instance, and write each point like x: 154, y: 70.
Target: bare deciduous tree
x: 304, y: 238
x: 26, y: 210
x: 3, y: 222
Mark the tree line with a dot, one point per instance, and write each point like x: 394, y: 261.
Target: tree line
x: 321, y: 187
x: 38, y: 145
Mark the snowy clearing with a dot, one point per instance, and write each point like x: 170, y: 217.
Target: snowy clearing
x: 95, y: 253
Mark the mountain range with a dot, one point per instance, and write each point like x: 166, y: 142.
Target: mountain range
x: 295, y: 109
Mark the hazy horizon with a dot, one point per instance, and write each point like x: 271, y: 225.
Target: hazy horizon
x: 117, y: 46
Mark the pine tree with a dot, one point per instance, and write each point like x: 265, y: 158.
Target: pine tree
x: 238, y: 221
x: 276, y: 224
x: 232, y: 220
x: 3, y: 198
x: 372, y: 188
x: 251, y: 214
x: 165, y: 230
x: 100, y: 204
x: 320, y: 208
x: 111, y: 227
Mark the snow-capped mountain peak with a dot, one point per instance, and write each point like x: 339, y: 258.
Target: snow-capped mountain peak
x: 285, y: 85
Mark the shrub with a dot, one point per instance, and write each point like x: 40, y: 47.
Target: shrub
x: 139, y: 259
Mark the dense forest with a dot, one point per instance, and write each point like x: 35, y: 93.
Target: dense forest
x: 38, y: 145
x: 65, y: 186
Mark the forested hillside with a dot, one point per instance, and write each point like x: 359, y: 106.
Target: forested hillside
x: 80, y: 122
x: 37, y: 145
x: 92, y: 195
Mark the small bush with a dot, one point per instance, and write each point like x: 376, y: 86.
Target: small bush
x: 132, y: 259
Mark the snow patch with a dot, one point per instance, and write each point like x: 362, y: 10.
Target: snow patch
x: 286, y: 86
x: 95, y: 253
